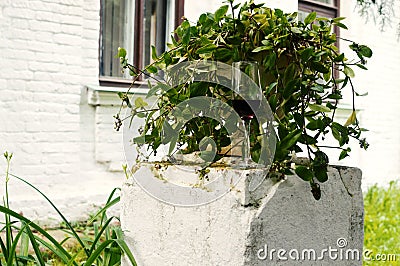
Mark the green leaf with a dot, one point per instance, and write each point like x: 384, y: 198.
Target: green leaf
x: 362, y: 66
x: 304, y: 173
x: 365, y: 51
x: 220, y: 12
x: 319, y: 67
x: 348, y: 72
x: 318, y: 88
x: 343, y: 154
x: 290, y: 74
x: 186, y: 36
x: 152, y: 69
x: 223, y: 54
x: 310, y: 18
x: 351, y: 120
x: 271, y: 86
x: 121, y: 52
x: 295, y: 30
x: 321, y: 174
x: 206, y: 49
x: 319, y: 108
x: 339, y: 58
x: 158, y: 87
x: 338, y: 19
x: 262, y: 48
x: 139, y: 140
x: 290, y: 139
x: 341, y: 25
x: 154, y: 53
x: 361, y: 94
x: 307, y: 53
x: 139, y: 102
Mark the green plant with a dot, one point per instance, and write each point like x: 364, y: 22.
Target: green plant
x: 104, y: 248
x: 303, y: 77
x: 381, y: 222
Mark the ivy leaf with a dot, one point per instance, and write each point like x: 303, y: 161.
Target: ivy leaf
x: 139, y: 140
x: 365, y: 51
x: 290, y: 139
x: 341, y: 25
x: 304, y: 173
x: 153, y: 53
x: 310, y: 18
x: 318, y: 88
x: 186, y: 34
x: 121, y: 52
x: 319, y: 67
x: 152, y: 69
x: 343, y: 154
x: 295, y: 30
x: 206, y: 49
x: 351, y: 120
x: 159, y: 86
x: 339, y: 58
x: 321, y: 174
x: 223, y: 54
x: 319, y: 108
x: 348, y: 72
x: 262, y: 48
x: 220, y: 12
x: 139, y: 102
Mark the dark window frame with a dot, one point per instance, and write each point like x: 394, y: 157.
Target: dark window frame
x: 138, y: 48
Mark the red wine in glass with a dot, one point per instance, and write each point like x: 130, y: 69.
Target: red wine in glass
x: 245, y: 108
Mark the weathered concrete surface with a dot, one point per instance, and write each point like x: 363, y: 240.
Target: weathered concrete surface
x: 238, y: 228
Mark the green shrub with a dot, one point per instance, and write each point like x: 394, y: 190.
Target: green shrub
x: 382, y: 222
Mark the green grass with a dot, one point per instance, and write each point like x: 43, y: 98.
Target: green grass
x: 25, y: 243
x: 382, y: 223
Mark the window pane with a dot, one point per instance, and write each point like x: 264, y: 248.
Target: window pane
x: 330, y: 2
x: 135, y: 25
x: 158, y: 26
x: 117, y: 31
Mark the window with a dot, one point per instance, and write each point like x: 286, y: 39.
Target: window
x: 134, y: 25
x: 324, y: 8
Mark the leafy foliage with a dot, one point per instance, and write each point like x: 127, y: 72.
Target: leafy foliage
x: 105, y: 248
x: 381, y: 222
x: 303, y: 78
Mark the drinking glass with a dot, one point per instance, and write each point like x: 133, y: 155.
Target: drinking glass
x: 246, y: 100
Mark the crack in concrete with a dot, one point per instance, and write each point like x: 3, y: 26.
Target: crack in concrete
x: 344, y: 183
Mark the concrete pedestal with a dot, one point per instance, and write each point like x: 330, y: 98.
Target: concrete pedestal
x: 279, y: 223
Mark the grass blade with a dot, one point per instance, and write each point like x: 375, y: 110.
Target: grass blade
x: 102, y: 210
x: 24, y: 247
x: 124, y: 247
x: 58, y: 211
x: 97, y: 252
x: 56, y: 251
x: 99, y: 235
x: 13, y: 246
x: 3, y: 249
x: 37, y: 228
x: 35, y: 247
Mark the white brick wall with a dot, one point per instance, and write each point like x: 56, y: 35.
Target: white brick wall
x: 48, y: 52
x: 380, y: 163
x: 67, y: 147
